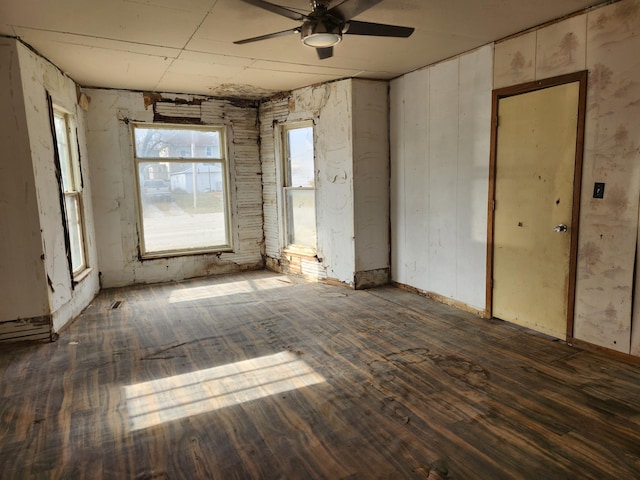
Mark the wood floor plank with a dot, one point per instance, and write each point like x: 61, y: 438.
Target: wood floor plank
x: 265, y: 376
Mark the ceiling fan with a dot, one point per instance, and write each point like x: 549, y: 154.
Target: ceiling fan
x: 323, y: 27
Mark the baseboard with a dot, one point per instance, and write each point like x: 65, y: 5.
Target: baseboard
x: 624, y: 357
x: 444, y: 300
x: 26, y: 329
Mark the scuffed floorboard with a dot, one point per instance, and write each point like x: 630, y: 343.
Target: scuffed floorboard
x: 260, y: 375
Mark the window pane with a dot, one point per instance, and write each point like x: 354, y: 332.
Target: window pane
x: 301, y: 212
x: 176, y: 143
x: 180, y: 210
x: 75, y: 232
x: 300, y: 148
x: 63, y: 152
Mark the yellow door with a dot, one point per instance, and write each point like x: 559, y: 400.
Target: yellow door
x: 535, y: 162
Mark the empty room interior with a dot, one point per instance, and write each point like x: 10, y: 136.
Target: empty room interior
x: 329, y: 239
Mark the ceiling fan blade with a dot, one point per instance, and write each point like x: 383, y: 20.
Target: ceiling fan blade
x: 351, y: 8
x: 267, y: 36
x: 285, y: 12
x: 324, y: 52
x: 377, y: 29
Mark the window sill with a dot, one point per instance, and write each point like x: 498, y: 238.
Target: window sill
x: 301, y: 252
x: 184, y: 253
x: 82, y: 275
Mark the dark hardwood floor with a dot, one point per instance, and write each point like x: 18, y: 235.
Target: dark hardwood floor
x: 266, y: 376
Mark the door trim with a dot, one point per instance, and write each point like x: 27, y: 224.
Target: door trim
x: 528, y: 87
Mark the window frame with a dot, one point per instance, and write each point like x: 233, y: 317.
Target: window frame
x: 223, y: 160
x: 284, y: 176
x: 71, y: 187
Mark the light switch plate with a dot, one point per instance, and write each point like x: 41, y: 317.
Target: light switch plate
x: 598, y: 190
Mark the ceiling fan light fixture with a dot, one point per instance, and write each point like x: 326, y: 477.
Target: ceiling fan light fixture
x: 322, y: 40
x: 321, y: 34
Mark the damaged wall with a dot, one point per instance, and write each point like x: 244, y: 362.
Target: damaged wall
x: 115, y: 201
x: 605, y: 41
x: 351, y: 180
x: 440, y: 138
x: 37, y: 277
x: 23, y: 287
x: 38, y: 77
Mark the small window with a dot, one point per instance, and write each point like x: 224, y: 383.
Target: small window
x: 70, y: 178
x: 182, y: 178
x: 299, y: 187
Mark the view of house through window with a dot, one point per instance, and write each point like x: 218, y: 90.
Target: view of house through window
x: 70, y: 177
x: 299, y: 186
x: 182, y: 184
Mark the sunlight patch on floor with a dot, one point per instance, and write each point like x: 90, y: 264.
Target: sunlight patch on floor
x: 190, y: 294
x: 172, y: 398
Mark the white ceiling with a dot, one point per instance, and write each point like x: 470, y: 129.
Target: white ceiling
x: 186, y: 46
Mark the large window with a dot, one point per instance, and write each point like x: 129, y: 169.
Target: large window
x: 299, y: 187
x: 71, y: 181
x: 182, y: 176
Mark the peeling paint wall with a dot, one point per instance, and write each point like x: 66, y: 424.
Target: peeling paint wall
x: 440, y: 138
x: 606, y: 41
x: 340, y: 111
x: 334, y: 181
x: 114, y: 198
x: 38, y: 78
x: 23, y: 287
x: 35, y: 282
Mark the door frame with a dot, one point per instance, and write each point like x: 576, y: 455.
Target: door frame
x: 499, y: 94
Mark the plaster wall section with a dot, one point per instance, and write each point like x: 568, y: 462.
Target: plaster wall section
x: 39, y: 78
x: 115, y: 197
x: 605, y: 41
x: 440, y: 136
x: 23, y: 285
x: 329, y: 106
x: 371, y: 181
x: 335, y: 194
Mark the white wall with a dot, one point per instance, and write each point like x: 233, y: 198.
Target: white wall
x: 40, y: 76
x: 371, y: 178
x: 326, y: 105
x: 36, y: 293
x: 334, y: 175
x: 440, y: 138
x: 114, y: 198
x: 351, y: 150
x: 23, y: 290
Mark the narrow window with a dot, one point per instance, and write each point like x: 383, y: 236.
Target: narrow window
x: 182, y: 178
x: 299, y: 187
x: 66, y: 145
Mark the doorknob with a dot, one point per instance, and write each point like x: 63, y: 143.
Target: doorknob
x: 560, y: 228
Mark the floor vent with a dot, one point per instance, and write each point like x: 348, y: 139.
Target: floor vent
x: 116, y: 305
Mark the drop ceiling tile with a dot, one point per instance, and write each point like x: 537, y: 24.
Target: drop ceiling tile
x: 280, y: 81
x: 322, y: 69
x: 214, y: 59
x: 157, y: 22
x: 49, y: 43
x: 100, y: 67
